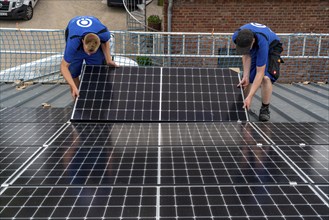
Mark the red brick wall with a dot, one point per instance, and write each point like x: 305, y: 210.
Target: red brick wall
x: 282, y: 16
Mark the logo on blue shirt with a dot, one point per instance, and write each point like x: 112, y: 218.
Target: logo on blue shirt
x: 258, y: 25
x: 84, y: 22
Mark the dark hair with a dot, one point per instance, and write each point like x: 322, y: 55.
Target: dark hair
x: 243, y: 41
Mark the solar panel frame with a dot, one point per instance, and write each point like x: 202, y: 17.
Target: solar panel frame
x: 324, y: 190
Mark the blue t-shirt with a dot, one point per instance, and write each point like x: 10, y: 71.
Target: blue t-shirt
x: 78, y: 27
x: 260, y: 50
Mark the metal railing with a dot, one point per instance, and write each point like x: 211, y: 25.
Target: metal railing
x: 36, y: 54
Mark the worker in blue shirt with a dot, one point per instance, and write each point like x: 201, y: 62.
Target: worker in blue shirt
x: 87, y: 39
x: 260, y: 48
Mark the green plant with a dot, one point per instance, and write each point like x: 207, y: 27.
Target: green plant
x: 144, y: 61
x: 160, y: 2
x: 154, y: 19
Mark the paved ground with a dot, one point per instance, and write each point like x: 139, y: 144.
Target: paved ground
x: 54, y: 14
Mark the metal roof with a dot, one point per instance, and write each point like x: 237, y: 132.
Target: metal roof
x: 294, y: 102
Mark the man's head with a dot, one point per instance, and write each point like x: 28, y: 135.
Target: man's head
x: 244, y: 41
x: 91, y: 43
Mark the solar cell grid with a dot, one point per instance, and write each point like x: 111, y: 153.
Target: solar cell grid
x: 62, y: 166
x: 201, y: 94
x: 224, y: 165
x: 12, y: 158
x: 209, y: 134
x: 239, y: 202
x: 124, y: 93
x: 101, y: 134
x: 313, y: 160
x: 164, y: 134
x: 310, y: 133
x: 38, y: 115
x: 159, y: 94
x: 78, y: 203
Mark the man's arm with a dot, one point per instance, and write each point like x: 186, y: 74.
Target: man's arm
x: 107, y: 53
x: 246, y: 61
x: 255, y: 85
x: 67, y: 76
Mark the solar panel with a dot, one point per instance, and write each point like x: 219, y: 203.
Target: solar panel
x: 224, y: 165
x: 38, y: 115
x: 309, y: 133
x: 124, y: 93
x: 78, y: 203
x: 64, y: 166
x: 313, y: 160
x: 139, y: 166
x: 12, y: 158
x: 159, y: 94
x: 152, y: 134
x: 201, y: 94
x: 31, y: 134
x: 241, y: 202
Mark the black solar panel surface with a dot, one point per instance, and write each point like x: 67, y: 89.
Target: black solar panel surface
x: 159, y: 94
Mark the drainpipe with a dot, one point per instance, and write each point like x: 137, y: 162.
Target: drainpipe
x: 169, y: 14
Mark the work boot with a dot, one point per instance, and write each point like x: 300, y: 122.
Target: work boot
x: 264, y: 113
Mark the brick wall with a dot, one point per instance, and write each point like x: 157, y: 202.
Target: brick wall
x: 282, y: 16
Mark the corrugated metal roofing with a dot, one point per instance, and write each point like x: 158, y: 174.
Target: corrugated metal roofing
x: 290, y: 102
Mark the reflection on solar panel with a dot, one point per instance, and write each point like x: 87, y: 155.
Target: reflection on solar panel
x: 179, y: 165
x: 313, y: 160
x: 39, y: 115
x: 296, y: 133
x: 159, y: 94
x: 92, y: 166
x: 151, y: 134
x: 31, y: 134
x: 12, y: 158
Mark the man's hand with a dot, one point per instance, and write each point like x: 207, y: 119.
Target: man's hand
x: 112, y: 63
x: 244, y: 82
x: 74, y: 93
x: 247, y: 102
